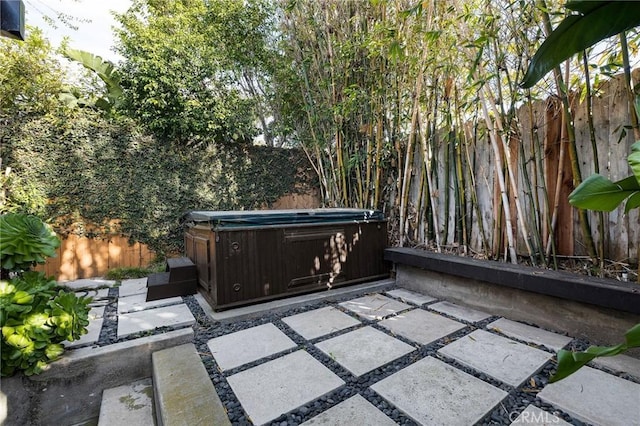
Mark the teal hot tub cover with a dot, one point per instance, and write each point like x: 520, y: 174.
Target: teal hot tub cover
x: 259, y: 218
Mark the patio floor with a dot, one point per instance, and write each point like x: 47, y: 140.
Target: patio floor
x: 384, y: 357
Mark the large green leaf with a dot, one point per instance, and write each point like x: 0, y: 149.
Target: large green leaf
x: 104, y: 69
x: 597, y: 20
x: 599, y: 193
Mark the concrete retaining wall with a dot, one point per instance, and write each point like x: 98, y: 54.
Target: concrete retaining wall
x: 70, y: 390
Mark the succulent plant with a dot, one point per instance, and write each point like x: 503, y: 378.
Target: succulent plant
x: 26, y: 241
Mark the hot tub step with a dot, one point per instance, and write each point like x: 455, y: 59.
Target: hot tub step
x: 183, y: 391
x: 179, y: 279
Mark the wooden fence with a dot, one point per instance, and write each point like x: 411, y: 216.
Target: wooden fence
x: 81, y: 257
x: 535, y: 153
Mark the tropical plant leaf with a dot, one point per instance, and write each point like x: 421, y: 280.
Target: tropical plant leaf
x: 634, y: 160
x: 632, y: 336
x: 599, y: 193
x: 597, y: 20
x: 104, y: 69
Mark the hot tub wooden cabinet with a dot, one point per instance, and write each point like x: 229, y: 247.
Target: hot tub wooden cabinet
x: 243, y: 257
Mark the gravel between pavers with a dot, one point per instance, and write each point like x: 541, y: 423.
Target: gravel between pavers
x: 205, y: 329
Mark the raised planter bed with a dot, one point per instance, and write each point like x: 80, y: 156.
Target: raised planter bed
x: 597, y: 309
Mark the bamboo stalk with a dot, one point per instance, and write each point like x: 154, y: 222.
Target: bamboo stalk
x: 503, y: 190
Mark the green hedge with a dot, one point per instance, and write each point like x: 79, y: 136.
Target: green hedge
x: 82, y: 169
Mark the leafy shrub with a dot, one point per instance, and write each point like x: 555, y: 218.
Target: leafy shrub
x: 35, y: 315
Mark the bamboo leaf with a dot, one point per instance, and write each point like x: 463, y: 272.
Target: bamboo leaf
x: 599, y: 193
x: 597, y: 21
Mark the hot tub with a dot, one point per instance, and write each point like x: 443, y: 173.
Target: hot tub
x: 243, y: 257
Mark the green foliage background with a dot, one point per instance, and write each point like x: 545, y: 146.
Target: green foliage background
x: 84, y: 170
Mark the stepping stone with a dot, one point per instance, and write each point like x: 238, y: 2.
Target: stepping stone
x: 595, y: 397
x: 620, y: 364
x: 530, y: 334
x: 432, y: 392
x: 421, y: 326
x: 96, y: 318
x: 320, y: 322
x: 374, y: 306
x: 88, y: 283
x: 132, y: 286
x: 501, y: 358
x: 533, y: 415
x: 127, y: 405
x: 279, y: 386
x: 168, y: 316
x: 411, y: 296
x: 138, y: 302
x: 354, y: 411
x: 460, y: 312
x: 242, y: 347
x: 363, y: 350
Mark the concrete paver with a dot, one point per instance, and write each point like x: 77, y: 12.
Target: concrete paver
x: 354, y: 411
x: 533, y: 415
x: 132, y: 286
x: 411, y: 296
x: 432, y: 392
x: 245, y: 346
x: 374, y: 306
x: 460, y: 312
x: 137, y: 302
x: 421, y: 326
x: 128, y: 405
x: 320, y: 322
x: 150, y: 319
x: 88, y: 283
x: 620, y: 364
x: 364, y: 349
x: 497, y: 356
x: 282, y: 385
x: 530, y: 334
x: 595, y: 397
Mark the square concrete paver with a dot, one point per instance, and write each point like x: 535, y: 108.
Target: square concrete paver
x: 534, y: 416
x: 127, y: 405
x: 354, y: 411
x: 595, y: 397
x: 421, y: 326
x: 432, y: 392
x: 363, y: 350
x: 245, y: 346
x: 138, y: 302
x: 86, y: 283
x: 168, y: 316
x: 460, y: 312
x: 374, y: 306
x: 320, y: 322
x: 411, y: 296
x: 132, y: 286
x: 620, y: 364
x: 497, y: 356
x: 530, y: 334
x: 282, y: 385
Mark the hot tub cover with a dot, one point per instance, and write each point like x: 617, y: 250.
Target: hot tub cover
x: 244, y: 218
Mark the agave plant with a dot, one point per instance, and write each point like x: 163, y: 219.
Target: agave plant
x: 26, y: 241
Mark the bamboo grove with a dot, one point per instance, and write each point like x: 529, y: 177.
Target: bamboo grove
x: 415, y: 108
